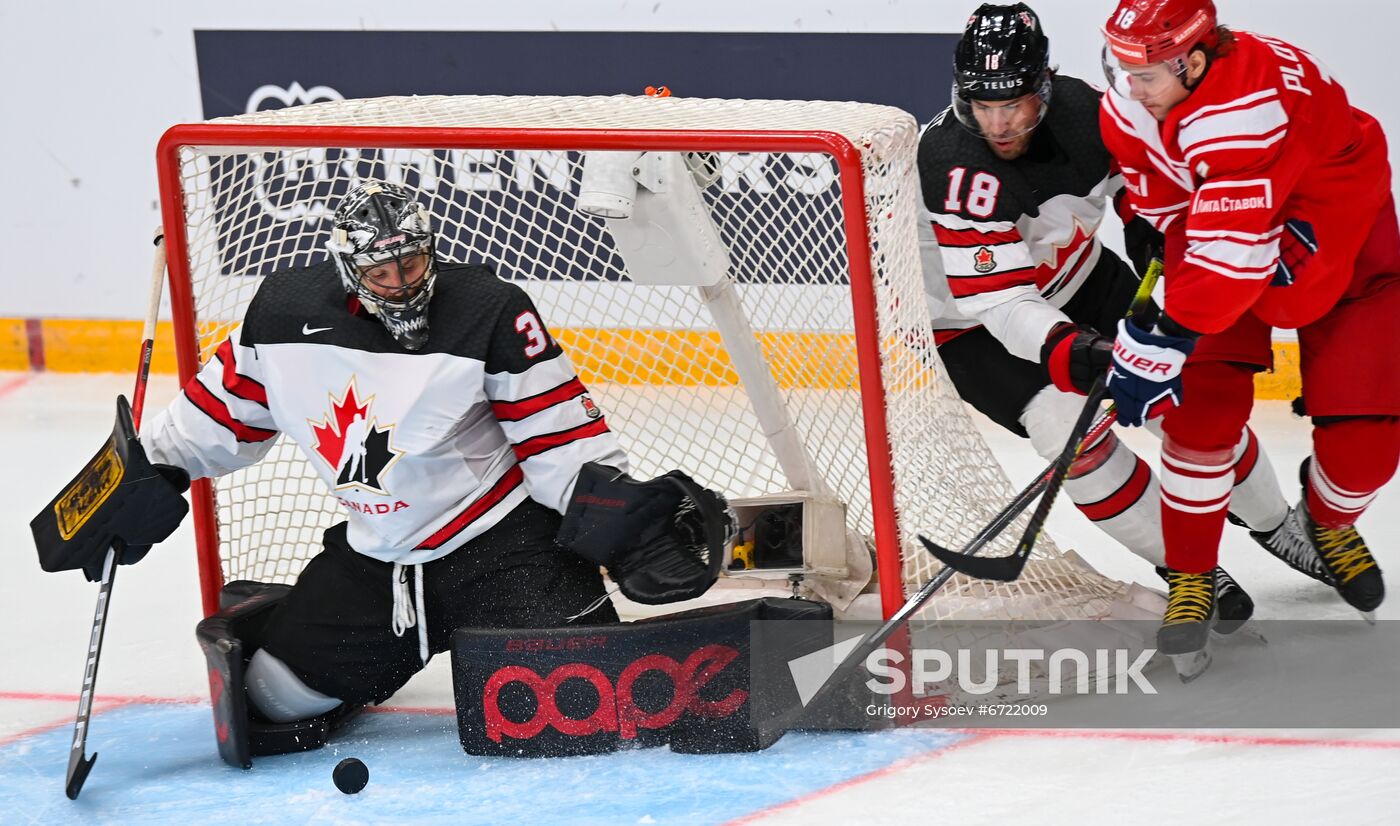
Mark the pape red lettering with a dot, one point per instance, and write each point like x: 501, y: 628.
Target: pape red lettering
x: 617, y: 709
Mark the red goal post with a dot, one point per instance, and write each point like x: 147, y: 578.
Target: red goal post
x: 810, y: 201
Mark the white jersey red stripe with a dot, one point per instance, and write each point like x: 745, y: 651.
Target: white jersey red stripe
x: 425, y: 450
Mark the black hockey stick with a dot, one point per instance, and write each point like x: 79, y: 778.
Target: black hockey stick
x: 1008, y: 568
x: 79, y: 764
x: 990, y: 531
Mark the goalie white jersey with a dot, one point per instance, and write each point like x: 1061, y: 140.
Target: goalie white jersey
x: 425, y: 450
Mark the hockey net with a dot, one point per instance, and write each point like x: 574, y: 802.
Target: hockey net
x: 815, y: 204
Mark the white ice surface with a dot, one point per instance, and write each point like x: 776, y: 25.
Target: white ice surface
x: 51, y: 424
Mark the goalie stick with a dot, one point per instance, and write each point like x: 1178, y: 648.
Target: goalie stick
x: 1008, y: 568
x: 79, y: 764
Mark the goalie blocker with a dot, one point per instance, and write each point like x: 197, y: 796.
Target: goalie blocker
x: 120, y: 499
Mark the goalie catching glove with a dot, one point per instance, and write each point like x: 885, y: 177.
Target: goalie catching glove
x: 661, y: 541
x: 120, y: 499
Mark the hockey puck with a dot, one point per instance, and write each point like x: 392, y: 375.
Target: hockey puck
x: 350, y: 775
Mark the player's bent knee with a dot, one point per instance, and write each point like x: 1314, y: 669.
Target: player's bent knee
x: 279, y: 693
x: 1048, y: 419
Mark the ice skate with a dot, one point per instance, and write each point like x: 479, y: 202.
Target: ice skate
x: 1349, y: 564
x: 1291, y: 545
x: 1186, y: 624
x: 1234, y: 607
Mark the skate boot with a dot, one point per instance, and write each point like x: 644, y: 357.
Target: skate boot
x: 1343, y: 552
x: 1291, y: 545
x: 1187, y: 622
x: 1233, y: 605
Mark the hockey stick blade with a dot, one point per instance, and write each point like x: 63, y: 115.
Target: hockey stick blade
x: 1008, y: 568
x: 999, y: 568
x: 77, y: 774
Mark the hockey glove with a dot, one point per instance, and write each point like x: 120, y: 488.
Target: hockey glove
x: 1297, y: 245
x: 1143, y: 243
x: 661, y: 541
x: 1074, y: 356
x: 120, y: 499
x: 1146, y: 376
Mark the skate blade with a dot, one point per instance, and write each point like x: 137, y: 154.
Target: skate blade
x: 1190, y: 666
x: 1246, y: 632
x: 1369, y: 616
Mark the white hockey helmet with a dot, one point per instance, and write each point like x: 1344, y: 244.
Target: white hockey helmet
x: 383, y: 243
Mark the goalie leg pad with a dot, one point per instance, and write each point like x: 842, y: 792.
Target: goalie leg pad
x: 228, y: 639
x: 708, y: 680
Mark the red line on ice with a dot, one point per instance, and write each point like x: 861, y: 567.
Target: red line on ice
x: 897, y: 766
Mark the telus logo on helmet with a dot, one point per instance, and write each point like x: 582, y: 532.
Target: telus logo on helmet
x: 617, y: 709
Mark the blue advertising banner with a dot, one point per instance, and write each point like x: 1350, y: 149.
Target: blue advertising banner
x: 911, y: 71
x: 270, y: 204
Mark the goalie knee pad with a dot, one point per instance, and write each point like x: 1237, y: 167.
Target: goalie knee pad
x: 229, y: 639
x: 279, y: 693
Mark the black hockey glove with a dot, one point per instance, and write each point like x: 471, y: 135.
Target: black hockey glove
x: 1143, y: 243
x: 661, y: 541
x: 1074, y: 356
x: 120, y: 499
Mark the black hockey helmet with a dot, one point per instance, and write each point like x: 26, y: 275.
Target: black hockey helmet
x: 1003, y: 55
x: 382, y: 240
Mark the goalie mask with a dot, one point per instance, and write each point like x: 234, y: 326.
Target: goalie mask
x: 383, y: 244
x: 1003, y: 56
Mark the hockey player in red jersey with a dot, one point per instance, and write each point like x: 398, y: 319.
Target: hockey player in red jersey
x: 1274, y: 195
x: 1025, y: 298
x: 481, y: 484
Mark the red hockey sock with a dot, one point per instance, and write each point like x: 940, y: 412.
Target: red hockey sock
x: 1352, y: 459
x: 1195, y: 498
x: 1198, y: 461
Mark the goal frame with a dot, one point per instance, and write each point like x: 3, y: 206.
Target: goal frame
x: 858, y: 248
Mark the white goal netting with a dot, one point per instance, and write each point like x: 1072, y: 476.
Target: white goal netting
x: 816, y: 204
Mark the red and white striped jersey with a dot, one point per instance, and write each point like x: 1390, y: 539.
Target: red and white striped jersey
x: 425, y: 450
x: 1266, y: 136
x: 1006, y: 244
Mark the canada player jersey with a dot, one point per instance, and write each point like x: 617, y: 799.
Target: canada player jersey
x: 425, y: 450
x: 1007, y: 243
x: 1265, y: 137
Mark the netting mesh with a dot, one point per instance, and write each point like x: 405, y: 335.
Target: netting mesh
x: 650, y: 356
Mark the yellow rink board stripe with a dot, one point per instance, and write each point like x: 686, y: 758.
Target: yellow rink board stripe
x: 111, y: 346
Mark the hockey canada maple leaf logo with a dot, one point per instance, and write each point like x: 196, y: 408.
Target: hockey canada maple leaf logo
x: 1048, y: 270
x: 983, y: 260
x: 353, y: 444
